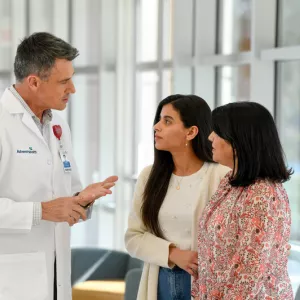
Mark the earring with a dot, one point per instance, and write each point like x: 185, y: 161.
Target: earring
x: 186, y: 144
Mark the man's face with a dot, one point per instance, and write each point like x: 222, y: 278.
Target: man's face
x: 54, y: 92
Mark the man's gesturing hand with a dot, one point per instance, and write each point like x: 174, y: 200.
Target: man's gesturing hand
x: 71, y: 209
x: 66, y: 209
x: 100, y: 189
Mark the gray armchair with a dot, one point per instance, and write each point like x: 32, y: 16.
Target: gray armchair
x: 297, y: 296
x: 102, y: 268
x: 132, y: 281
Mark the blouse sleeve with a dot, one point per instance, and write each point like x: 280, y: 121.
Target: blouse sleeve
x: 265, y: 223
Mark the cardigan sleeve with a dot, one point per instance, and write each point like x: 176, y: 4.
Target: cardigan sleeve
x: 222, y: 177
x: 139, y: 242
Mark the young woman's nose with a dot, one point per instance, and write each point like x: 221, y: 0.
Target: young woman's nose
x: 156, y: 127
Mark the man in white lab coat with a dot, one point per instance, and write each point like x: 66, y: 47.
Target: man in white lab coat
x: 40, y: 191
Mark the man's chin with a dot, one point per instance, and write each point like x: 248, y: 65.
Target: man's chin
x: 61, y: 106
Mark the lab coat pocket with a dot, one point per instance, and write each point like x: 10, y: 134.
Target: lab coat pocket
x: 23, y: 276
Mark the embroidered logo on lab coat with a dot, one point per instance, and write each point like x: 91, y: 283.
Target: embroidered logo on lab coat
x: 29, y: 151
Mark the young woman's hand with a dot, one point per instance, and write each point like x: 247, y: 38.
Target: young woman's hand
x: 185, y: 259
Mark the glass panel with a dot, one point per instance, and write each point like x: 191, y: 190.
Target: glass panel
x: 83, y: 109
x: 5, y: 35
x: 167, y: 83
x: 233, y: 84
x: 289, y: 127
x: 4, y: 83
x: 147, y: 30
x: 288, y: 121
x: 41, y: 16
x: 85, y: 31
x: 289, y: 22
x: 182, y: 80
x: 146, y: 107
x: 167, y: 29
x: 61, y: 19
x: 83, y: 106
x: 234, y: 26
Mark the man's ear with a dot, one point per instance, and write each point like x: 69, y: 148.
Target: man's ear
x: 33, y: 82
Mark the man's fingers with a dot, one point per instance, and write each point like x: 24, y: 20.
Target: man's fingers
x: 108, y: 185
x: 71, y: 221
x: 80, y: 211
x: 111, y: 179
x: 102, y: 192
x: 75, y: 215
x: 84, y: 199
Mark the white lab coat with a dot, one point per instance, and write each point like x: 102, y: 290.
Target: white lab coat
x: 27, y: 252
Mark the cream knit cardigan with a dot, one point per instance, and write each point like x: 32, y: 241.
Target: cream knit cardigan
x: 154, y: 251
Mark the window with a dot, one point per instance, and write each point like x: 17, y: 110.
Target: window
x: 146, y: 107
x: 167, y: 83
x: 234, y: 26
x: 147, y: 31
x: 288, y: 23
x: 154, y: 80
x: 233, y: 84
x: 288, y: 120
x: 4, y: 83
x: 167, y: 29
x: 5, y: 35
x: 86, y: 18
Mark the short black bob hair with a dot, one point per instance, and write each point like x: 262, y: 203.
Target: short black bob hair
x: 250, y: 129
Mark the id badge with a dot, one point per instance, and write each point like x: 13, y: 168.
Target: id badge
x: 66, y: 163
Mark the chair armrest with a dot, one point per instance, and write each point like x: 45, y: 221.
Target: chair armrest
x: 132, y: 282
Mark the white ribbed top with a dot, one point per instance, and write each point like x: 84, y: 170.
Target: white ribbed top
x: 176, y: 213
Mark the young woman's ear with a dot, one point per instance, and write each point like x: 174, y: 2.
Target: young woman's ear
x: 192, y: 132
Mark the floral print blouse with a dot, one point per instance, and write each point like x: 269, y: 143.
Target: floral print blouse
x: 243, y: 243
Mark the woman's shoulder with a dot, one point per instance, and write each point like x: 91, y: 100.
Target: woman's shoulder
x: 145, y: 172
x: 218, y: 170
x: 144, y: 175
x: 266, y: 186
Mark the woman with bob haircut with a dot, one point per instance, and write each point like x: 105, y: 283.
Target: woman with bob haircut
x: 170, y: 196
x: 245, y: 228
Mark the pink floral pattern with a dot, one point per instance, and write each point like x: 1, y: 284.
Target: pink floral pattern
x: 243, y: 243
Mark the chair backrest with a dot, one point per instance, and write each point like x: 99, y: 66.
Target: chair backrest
x: 113, y: 267
x: 82, y: 259
x: 297, y: 297
x: 134, y: 263
x: 132, y: 282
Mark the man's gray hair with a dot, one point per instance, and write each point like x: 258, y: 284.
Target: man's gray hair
x: 37, y: 55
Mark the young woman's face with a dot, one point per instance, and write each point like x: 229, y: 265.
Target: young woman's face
x: 222, y: 150
x: 170, y: 133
